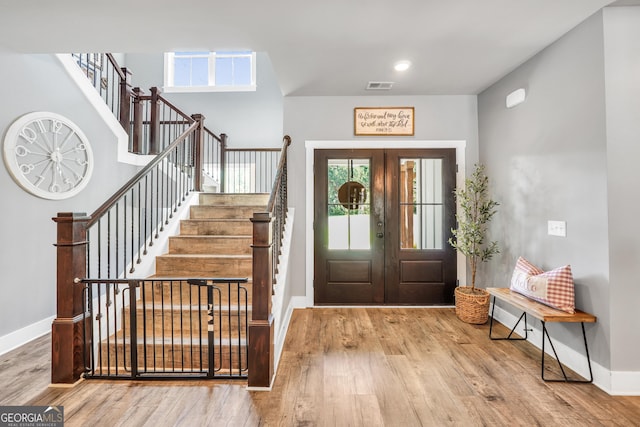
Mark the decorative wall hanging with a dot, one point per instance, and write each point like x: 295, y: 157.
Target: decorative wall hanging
x: 380, y: 121
x: 352, y: 194
x: 48, y: 155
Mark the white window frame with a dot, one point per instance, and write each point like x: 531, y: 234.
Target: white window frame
x: 169, y: 70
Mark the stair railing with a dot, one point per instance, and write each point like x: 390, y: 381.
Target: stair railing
x: 268, y: 229
x: 250, y: 170
x: 110, y: 242
x: 165, y: 328
x: 151, y: 120
x: 112, y: 82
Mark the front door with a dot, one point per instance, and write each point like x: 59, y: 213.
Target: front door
x: 382, y: 219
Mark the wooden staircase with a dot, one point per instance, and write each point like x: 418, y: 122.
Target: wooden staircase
x: 172, y: 316
x: 216, y: 240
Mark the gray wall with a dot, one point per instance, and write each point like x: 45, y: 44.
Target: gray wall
x: 547, y: 160
x: 331, y: 118
x: 622, y: 77
x: 27, y: 262
x: 250, y: 119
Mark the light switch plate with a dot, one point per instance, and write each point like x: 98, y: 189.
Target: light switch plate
x: 557, y: 228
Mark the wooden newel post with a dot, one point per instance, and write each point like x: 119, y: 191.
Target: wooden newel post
x: 198, y: 155
x: 154, y: 126
x: 125, y: 100
x: 223, y: 162
x: 67, y: 353
x: 261, y: 346
x: 136, y: 138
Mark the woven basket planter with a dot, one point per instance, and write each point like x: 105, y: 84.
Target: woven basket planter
x: 472, y: 307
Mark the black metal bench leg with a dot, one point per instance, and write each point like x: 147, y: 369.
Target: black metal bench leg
x: 508, y: 337
x: 545, y: 333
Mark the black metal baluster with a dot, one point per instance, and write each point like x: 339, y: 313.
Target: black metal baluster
x: 146, y: 210
x: 164, y: 363
x: 89, y: 287
x: 133, y: 254
x: 144, y: 323
x: 133, y: 334
x: 114, y: 301
x: 108, y: 331
x: 161, y: 195
x: 109, y: 244
x: 153, y: 321
x: 139, y: 260
x: 88, y: 257
x: 200, y: 328
x: 246, y: 327
x: 124, y: 239
x: 181, y: 314
x: 172, y: 184
x: 210, y: 331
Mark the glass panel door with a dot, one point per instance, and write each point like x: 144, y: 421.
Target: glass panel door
x: 421, y: 204
x: 349, y: 207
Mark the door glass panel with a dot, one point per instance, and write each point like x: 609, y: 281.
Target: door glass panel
x: 421, y: 204
x: 349, y: 199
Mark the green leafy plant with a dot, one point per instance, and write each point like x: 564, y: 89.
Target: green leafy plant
x: 476, y: 211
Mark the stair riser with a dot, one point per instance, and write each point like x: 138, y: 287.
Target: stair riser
x: 218, y: 199
x: 224, y: 212
x: 210, y: 245
x: 194, y: 227
x: 203, y: 267
x: 186, y: 295
x: 167, y: 323
x: 178, y: 357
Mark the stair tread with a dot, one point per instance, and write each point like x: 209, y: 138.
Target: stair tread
x: 205, y: 256
x: 203, y: 307
x: 231, y: 206
x: 185, y: 340
x: 213, y: 236
x: 218, y: 219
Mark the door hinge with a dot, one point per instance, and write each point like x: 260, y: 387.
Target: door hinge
x: 457, y: 168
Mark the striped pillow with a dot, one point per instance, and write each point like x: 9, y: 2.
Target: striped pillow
x: 554, y: 288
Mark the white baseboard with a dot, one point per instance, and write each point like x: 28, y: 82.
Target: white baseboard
x: 22, y: 336
x: 625, y: 383
x: 613, y: 383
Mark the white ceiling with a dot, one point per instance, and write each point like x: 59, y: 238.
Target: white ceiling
x: 329, y: 47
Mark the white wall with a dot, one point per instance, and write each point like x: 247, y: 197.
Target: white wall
x: 622, y: 78
x: 331, y: 118
x: 250, y: 119
x: 547, y: 160
x: 27, y: 233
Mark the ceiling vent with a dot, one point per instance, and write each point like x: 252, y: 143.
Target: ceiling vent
x: 379, y: 85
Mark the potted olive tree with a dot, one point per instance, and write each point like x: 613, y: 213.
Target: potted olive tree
x: 475, y: 212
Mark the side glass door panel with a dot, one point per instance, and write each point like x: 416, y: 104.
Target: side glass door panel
x: 420, y: 264
x: 349, y: 205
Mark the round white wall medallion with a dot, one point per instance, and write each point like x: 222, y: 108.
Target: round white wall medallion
x: 48, y: 155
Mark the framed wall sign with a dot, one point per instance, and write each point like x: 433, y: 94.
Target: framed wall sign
x: 380, y: 121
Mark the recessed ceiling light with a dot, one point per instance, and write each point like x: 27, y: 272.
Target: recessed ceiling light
x: 402, y: 65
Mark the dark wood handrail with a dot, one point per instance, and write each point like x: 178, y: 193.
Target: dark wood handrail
x: 116, y: 67
x: 253, y: 150
x: 216, y: 137
x: 168, y: 104
x: 102, y: 210
x: 174, y: 108
x: 276, y: 183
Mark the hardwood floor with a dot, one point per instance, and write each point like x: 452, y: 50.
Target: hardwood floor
x: 343, y: 367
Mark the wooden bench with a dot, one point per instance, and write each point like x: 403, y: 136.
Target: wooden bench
x: 545, y: 314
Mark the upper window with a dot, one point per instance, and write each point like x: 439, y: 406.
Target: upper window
x: 209, y: 71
